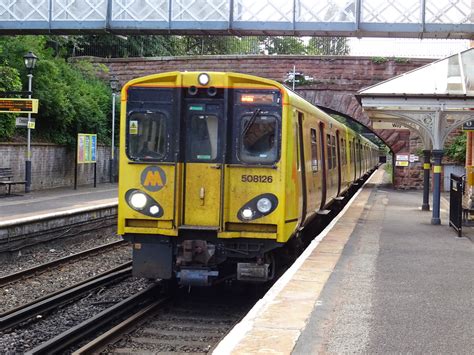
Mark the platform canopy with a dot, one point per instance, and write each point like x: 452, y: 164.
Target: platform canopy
x: 432, y: 100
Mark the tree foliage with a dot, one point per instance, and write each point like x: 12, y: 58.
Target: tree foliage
x: 71, y: 98
x: 457, y: 149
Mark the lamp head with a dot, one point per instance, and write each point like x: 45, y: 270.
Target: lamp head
x: 30, y: 61
x: 114, y: 83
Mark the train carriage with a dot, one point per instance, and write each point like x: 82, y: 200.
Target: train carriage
x: 218, y: 171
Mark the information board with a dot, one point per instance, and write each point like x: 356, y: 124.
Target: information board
x: 86, y: 148
x: 18, y: 105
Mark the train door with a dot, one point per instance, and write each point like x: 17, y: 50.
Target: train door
x: 354, y: 158
x: 302, y: 160
x: 203, y: 163
x: 338, y: 162
x: 323, y: 166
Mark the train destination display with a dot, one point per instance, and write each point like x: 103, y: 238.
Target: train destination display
x: 18, y: 105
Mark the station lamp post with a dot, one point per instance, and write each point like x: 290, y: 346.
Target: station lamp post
x: 30, y: 62
x: 115, y: 86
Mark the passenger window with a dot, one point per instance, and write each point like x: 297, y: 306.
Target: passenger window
x: 147, y: 135
x: 258, y: 139
x: 203, y: 137
x: 329, y: 150
x: 314, y: 151
x: 334, y: 155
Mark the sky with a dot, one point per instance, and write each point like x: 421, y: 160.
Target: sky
x: 406, y: 47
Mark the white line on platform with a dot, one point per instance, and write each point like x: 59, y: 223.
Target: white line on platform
x: 40, y: 217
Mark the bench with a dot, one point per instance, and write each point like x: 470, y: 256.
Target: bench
x: 6, y: 175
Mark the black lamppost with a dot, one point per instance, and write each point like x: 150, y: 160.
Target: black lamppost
x: 30, y: 62
x: 115, y: 86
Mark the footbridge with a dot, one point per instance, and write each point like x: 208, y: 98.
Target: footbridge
x: 360, y: 18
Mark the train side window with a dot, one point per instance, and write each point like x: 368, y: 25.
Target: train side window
x: 329, y: 150
x: 314, y: 151
x: 334, y: 155
x: 258, y: 139
x: 147, y: 135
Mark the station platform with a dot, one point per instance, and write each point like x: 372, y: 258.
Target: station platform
x: 43, y: 203
x: 379, y: 279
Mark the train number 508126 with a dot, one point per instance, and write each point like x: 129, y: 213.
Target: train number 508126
x: 257, y: 178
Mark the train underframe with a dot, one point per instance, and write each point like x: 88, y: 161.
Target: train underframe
x: 199, y: 258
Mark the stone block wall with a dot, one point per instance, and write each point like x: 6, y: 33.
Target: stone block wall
x: 52, y: 165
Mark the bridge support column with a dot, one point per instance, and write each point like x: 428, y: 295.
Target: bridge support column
x: 437, y: 169
x: 426, y: 180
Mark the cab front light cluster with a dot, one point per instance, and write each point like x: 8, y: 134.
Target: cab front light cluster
x: 258, y: 207
x: 143, y: 203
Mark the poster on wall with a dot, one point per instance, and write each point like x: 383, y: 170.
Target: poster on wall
x: 86, y: 148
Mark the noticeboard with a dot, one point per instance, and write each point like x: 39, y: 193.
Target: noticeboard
x: 18, y: 105
x: 86, y: 148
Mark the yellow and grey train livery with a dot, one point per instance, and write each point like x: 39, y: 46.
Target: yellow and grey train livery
x: 218, y: 171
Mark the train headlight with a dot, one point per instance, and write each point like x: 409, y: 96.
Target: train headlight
x: 138, y: 200
x: 145, y: 204
x: 264, y: 205
x: 247, y: 213
x: 258, y: 207
x: 154, y: 209
x: 203, y: 79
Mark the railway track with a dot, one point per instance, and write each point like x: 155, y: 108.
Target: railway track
x: 190, y: 323
x: 12, y: 318
x: 49, y: 265
x: 82, y: 331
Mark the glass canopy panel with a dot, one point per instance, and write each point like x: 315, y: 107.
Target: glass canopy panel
x: 325, y: 11
x: 383, y: 11
x: 449, y: 11
x: 263, y: 10
x: 140, y: 10
x: 24, y: 10
x: 453, y: 75
x: 200, y: 10
x: 80, y: 10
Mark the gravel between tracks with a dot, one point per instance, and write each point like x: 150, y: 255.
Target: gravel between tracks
x: 36, y: 332
x: 24, y: 291
x: 25, y: 258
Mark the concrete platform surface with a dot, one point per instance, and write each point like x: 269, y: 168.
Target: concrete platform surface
x: 379, y: 279
x: 37, y: 203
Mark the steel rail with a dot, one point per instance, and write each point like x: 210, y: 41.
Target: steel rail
x: 98, y: 344
x: 42, y: 267
x: 54, y: 300
x: 64, y: 340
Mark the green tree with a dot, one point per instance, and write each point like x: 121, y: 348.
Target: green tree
x: 10, y: 82
x: 71, y: 98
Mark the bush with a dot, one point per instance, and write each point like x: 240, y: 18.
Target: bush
x: 457, y: 149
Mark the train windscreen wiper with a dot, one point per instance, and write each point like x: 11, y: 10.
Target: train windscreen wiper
x: 251, y: 121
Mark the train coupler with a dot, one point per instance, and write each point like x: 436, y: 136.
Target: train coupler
x: 253, y: 272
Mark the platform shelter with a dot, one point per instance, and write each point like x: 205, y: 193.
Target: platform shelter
x: 433, y: 101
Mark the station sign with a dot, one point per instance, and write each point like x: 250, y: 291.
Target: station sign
x: 401, y: 163
x: 387, y: 125
x: 86, y: 148
x: 18, y: 105
x: 23, y: 122
x: 468, y: 126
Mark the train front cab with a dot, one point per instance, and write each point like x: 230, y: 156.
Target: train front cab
x: 203, y: 174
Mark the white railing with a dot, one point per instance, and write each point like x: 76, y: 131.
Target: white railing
x: 361, y: 18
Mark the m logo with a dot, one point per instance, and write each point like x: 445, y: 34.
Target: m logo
x: 153, y: 178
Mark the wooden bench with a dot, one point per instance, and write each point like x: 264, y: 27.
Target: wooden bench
x: 6, y: 175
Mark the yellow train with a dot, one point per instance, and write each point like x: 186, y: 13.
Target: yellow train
x: 218, y: 171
